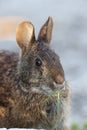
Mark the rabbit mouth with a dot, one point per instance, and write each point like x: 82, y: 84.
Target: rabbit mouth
x: 57, y: 86
x: 47, y: 90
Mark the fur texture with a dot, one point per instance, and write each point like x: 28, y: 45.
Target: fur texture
x: 30, y: 92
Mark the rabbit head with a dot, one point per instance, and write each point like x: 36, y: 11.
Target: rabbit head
x: 38, y: 64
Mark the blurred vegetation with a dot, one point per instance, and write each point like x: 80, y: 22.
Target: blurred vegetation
x: 75, y: 126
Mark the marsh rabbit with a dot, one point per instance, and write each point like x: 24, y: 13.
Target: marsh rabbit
x: 33, y: 89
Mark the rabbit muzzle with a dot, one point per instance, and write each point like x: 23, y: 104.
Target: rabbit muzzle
x: 48, y: 90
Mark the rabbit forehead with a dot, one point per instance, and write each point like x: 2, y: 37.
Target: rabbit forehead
x: 47, y: 54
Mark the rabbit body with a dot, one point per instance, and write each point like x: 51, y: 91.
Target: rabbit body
x: 29, y: 82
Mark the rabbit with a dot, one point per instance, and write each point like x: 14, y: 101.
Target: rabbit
x: 33, y: 89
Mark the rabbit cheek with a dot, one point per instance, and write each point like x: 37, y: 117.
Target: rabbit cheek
x: 45, y: 75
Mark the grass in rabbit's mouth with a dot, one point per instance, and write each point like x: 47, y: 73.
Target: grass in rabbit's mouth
x: 54, y: 96
x: 57, y: 96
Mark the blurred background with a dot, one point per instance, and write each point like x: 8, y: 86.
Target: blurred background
x: 69, y: 39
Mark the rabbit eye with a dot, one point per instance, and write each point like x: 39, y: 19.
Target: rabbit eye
x: 38, y: 62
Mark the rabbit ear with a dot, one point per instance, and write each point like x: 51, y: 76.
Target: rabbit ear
x: 45, y: 33
x: 25, y: 35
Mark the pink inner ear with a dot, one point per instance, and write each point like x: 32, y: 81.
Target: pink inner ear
x: 25, y: 35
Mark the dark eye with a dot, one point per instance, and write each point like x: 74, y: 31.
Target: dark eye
x: 38, y: 62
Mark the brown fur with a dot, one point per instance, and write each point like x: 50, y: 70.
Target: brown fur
x: 26, y: 99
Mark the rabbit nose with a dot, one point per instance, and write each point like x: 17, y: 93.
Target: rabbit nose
x: 59, y: 86
x: 59, y: 79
